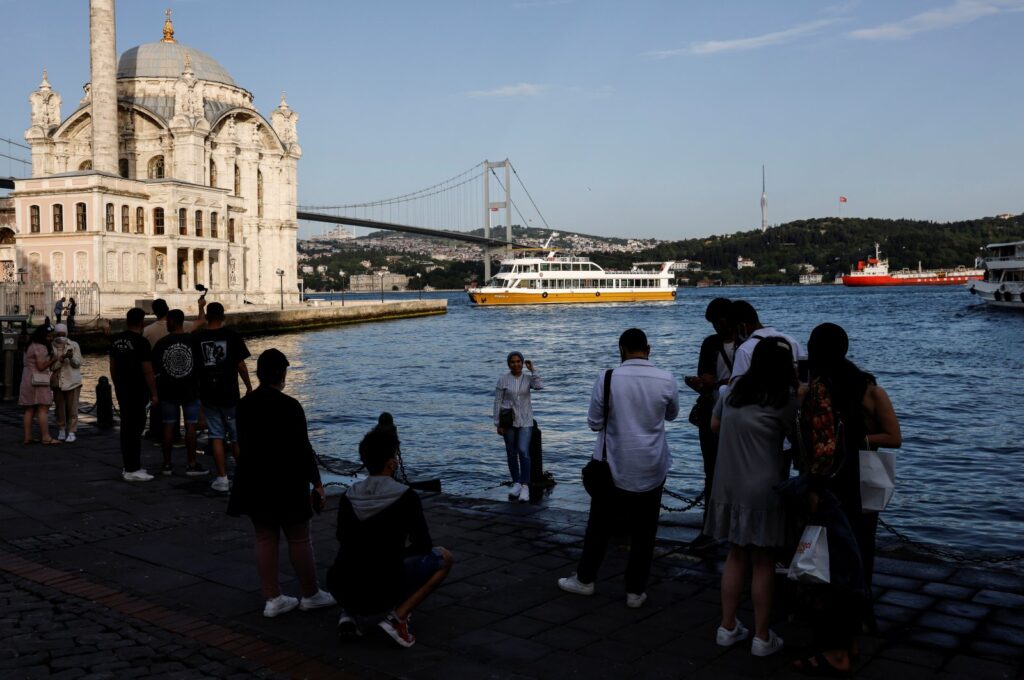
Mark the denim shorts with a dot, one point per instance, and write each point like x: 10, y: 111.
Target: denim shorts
x: 419, y: 569
x: 169, y: 411
x: 221, y: 421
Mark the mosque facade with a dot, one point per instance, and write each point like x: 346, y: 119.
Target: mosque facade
x: 164, y: 176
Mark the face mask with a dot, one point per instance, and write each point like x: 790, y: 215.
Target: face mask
x: 741, y: 334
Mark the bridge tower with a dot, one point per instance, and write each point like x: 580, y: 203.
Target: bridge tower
x: 495, y: 206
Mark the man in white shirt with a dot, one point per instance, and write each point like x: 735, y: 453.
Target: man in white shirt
x: 642, y: 397
x: 749, y: 332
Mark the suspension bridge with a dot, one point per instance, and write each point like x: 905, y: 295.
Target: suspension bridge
x: 448, y: 209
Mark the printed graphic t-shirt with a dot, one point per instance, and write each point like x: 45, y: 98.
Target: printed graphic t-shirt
x: 218, y: 352
x: 129, y: 350
x: 175, y: 365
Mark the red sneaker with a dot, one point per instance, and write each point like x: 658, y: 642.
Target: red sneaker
x: 398, y: 630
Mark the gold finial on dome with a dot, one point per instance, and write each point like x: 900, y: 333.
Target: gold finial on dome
x: 168, y: 28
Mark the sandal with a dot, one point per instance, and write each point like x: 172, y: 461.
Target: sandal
x: 51, y: 442
x: 819, y: 667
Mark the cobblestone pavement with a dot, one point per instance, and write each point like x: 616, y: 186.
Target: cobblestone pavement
x: 104, y: 579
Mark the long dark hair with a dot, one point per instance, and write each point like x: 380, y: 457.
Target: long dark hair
x: 826, y: 354
x: 771, y: 377
x: 39, y: 336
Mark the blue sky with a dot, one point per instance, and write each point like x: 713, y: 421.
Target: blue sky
x: 623, y: 118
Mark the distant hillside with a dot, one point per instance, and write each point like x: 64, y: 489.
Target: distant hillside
x: 833, y: 244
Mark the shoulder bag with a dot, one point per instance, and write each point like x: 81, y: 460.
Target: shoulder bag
x: 597, y: 474
x: 506, y: 416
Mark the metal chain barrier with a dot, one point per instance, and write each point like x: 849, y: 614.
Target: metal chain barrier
x: 950, y: 553
x: 690, y: 502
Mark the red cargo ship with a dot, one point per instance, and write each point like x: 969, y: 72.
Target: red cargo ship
x: 875, y: 272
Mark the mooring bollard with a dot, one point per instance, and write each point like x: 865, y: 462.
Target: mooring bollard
x: 104, y: 403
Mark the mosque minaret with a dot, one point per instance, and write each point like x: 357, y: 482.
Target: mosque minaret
x: 162, y: 177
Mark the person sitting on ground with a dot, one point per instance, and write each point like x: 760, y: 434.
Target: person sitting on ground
x: 277, y: 484
x: 177, y: 385
x: 374, y: 569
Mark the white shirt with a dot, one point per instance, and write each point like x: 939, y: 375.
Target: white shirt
x: 514, y: 392
x: 741, y: 361
x: 643, y: 397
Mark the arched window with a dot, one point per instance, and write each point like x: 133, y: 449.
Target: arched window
x: 110, y: 217
x: 182, y: 222
x: 259, y: 194
x: 158, y: 221
x: 231, y: 229
x: 58, y: 217
x: 238, y: 181
x: 80, y: 217
x: 122, y: 167
x: 140, y: 221
x: 33, y: 219
x: 156, y: 167
x: 126, y: 226
x: 85, y: 165
x: 213, y: 225
x: 199, y: 223
x: 213, y: 173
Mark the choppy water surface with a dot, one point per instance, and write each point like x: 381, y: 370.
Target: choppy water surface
x: 952, y: 368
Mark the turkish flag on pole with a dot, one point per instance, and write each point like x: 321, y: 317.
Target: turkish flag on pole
x: 842, y: 199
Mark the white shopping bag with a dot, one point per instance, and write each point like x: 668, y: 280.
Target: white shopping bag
x: 877, y: 479
x: 810, y: 562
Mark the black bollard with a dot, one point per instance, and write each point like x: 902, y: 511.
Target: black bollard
x: 104, y: 403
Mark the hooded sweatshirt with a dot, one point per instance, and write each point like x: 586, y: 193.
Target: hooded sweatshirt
x: 380, y: 524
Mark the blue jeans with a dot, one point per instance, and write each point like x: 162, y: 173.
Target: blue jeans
x: 517, y: 448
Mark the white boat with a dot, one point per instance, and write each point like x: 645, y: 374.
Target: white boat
x: 541, y: 277
x: 1003, y: 284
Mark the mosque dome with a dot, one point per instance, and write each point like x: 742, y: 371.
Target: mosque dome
x: 165, y: 59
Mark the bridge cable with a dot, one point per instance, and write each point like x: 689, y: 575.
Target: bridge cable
x: 525, y: 190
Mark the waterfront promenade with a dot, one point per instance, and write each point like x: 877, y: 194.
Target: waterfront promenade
x: 104, y: 579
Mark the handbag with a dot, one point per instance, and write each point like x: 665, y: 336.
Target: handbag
x: 810, y: 561
x: 877, y: 479
x: 597, y: 474
x: 506, y: 418
x: 40, y: 378
x: 700, y: 414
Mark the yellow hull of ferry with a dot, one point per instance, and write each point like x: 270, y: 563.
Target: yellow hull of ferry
x: 479, y: 297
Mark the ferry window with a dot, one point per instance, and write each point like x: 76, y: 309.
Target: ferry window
x: 575, y: 266
x: 544, y: 267
x: 505, y: 269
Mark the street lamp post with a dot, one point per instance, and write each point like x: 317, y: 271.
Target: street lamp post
x: 342, y: 274
x: 419, y: 280
x: 381, y: 275
x: 280, y: 276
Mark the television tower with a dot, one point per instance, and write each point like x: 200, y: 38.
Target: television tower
x: 764, y: 204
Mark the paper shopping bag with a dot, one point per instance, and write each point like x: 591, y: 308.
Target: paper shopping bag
x: 877, y: 479
x: 810, y: 562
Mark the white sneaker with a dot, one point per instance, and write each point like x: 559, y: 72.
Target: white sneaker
x: 71, y: 437
x: 514, y: 492
x: 61, y: 434
x: 222, y: 484
x: 281, y: 604
x: 139, y: 475
x: 347, y: 626
x: 524, y: 494
x: 321, y: 599
x: 571, y: 584
x: 767, y: 647
x: 727, y: 638
x: 634, y: 601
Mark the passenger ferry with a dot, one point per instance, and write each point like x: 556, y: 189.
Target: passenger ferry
x: 553, y: 278
x: 1003, y: 285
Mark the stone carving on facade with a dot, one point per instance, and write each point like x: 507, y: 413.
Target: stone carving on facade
x: 231, y: 128
x: 7, y: 271
x: 284, y: 120
x: 233, y: 272
x: 81, y: 266
x: 86, y: 95
x: 58, y: 266
x: 45, y: 106
x: 111, y: 266
x: 128, y: 127
x: 160, y: 262
x: 188, y: 95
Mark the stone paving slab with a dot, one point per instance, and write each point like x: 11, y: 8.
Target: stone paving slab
x: 99, y: 578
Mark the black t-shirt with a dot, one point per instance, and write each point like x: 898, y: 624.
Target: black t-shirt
x: 218, y: 352
x: 174, y: 362
x: 129, y: 350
